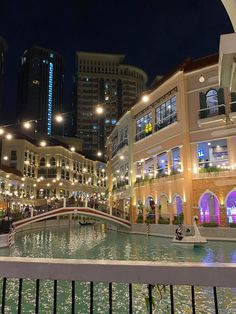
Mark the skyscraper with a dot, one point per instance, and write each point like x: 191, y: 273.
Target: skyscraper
x: 3, y: 48
x: 40, y: 88
x: 105, y: 80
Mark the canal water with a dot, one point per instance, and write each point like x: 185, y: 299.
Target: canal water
x: 95, y: 242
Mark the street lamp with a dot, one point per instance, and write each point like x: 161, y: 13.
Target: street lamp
x: 59, y: 118
x: 27, y: 125
x: 99, y: 110
x: 43, y: 143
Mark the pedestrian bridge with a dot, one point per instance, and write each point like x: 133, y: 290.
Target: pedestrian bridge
x: 84, y: 211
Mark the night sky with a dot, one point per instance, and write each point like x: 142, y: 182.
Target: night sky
x: 154, y: 35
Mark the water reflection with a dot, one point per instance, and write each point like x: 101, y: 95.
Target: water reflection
x: 94, y: 242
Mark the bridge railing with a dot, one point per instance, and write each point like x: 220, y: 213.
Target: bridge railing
x: 171, y: 285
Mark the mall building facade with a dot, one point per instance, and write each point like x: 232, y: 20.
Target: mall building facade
x: 35, y: 175
x: 178, y: 155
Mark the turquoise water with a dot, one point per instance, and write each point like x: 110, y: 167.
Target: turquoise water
x: 94, y: 242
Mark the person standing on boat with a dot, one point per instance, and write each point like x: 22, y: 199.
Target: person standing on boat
x: 179, y: 233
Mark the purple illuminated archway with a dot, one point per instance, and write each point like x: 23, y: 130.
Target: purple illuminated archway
x: 178, y: 204
x: 209, y: 208
x: 231, y: 207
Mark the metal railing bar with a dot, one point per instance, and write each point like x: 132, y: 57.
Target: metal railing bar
x: 150, y: 298
x: 130, y: 299
x: 55, y: 297
x: 172, y: 300
x: 110, y: 297
x: 91, y: 297
x: 73, y: 297
x: 193, y: 299
x: 4, y: 294
x: 215, y: 300
x: 20, y: 295
x: 37, y: 297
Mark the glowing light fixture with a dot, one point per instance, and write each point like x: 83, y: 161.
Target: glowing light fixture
x: 8, y: 136
x: 145, y: 98
x: 201, y: 79
x: 27, y: 125
x: 59, y: 118
x: 43, y: 143
x: 99, y: 109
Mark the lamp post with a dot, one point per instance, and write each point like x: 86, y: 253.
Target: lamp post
x: 101, y: 142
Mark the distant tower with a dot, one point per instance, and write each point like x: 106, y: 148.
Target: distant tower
x: 3, y: 48
x: 103, y: 79
x: 40, y: 88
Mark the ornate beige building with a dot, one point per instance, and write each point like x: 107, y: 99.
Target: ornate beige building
x: 182, y: 152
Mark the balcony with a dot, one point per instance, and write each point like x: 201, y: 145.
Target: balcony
x: 215, y: 169
x: 210, y: 117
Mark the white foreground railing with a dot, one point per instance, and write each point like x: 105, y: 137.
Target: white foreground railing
x: 197, y: 274
x: 127, y: 272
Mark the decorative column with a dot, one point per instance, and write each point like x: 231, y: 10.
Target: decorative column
x: 144, y: 214
x: 169, y: 161
x: 194, y: 154
x: 156, y: 214
x: 171, y: 212
x: 231, y: 146
x: 223, y: 216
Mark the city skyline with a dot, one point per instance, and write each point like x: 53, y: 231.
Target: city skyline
x: 96, y: 27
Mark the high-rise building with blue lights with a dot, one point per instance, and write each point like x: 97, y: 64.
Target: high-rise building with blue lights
x: 40, y: 88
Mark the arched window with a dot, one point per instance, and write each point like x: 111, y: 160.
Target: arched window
x: 209, y: 208
x: 42, y: 162
x: 53, y: 162
x: 212, y: 101
x: 231, y: 206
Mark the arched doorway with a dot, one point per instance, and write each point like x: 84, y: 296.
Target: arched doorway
x: 178, y: 205
x: 209, y: 208
x: 150, y: 209
x: 230, y: 203
x: 163, y: 209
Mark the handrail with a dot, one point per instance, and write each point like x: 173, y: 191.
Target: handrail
x: 197, y: 274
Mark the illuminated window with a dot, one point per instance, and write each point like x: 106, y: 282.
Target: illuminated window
x: 50, y: 85
x: 166, y: 114
x: 144, y: 126
x: 212, y: 101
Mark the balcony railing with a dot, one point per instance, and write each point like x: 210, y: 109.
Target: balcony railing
x: 211, y: 112
x: 125, y: 142
x: 166, y: 121
x: 233, y: 106
x: 142, y: 135
x: 178, y: 279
